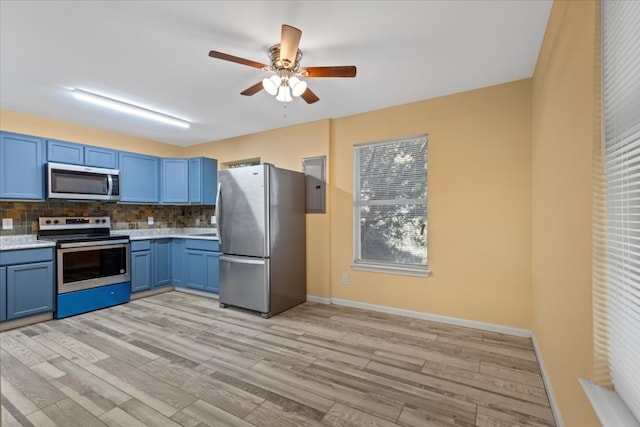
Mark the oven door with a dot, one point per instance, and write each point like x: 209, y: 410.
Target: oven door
x: 92, y: 264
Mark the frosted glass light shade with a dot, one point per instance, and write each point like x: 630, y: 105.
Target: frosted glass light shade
x: 297, y: 86
x: 284, y: 94
x: 271, y: 84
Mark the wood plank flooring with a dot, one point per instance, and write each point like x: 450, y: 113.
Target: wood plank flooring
x: 179, y: 360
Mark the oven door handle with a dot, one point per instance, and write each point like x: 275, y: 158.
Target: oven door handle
x: 93, y: 243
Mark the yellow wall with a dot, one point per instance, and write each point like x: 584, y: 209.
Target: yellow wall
x: 563, y: 138
x: 479, y: 228
x: 286, y: 148
x: 479, y: 202
x: 12, y: 121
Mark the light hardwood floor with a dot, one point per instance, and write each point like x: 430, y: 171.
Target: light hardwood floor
x: 179, y: 360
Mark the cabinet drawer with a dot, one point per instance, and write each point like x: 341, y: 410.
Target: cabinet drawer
x: 24, y: 256
x: 73, y: 303
x: 140, y: 245
x: 203, y: 245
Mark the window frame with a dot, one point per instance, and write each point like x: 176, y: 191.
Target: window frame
x: 379, y: 266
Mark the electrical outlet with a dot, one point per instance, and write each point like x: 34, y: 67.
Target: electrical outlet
x: 345, y: 279
x: 150, y: 220
x: 7, y: 223
x: 213, y: 219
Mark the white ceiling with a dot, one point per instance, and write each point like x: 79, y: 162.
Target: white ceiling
x: 155, y: 54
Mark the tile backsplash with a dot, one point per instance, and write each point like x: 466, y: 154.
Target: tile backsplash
x: 123, y: 216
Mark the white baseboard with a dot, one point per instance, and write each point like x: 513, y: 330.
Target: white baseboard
x: 547, y: 384
x: 491, y: 327
x: 196, y: 292
x: 321, y: 300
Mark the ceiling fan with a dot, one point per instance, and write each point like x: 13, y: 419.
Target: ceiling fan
x: 285, y: 64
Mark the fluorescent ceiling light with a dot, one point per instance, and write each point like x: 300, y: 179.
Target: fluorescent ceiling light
x: 128, y: 108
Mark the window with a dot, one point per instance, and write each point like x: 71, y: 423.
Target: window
x: 390, y: 206
x: 616, y: 296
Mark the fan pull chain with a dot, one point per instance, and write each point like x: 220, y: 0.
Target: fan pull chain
x: 284, y: 114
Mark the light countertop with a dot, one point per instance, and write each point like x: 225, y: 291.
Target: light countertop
x: 24, y: 241
x: 169, y: 233
x: 30, y: 241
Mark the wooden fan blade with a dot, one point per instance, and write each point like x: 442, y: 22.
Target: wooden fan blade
x: 342, y: 71
x: 237, y: 60
x: 309, y: 96
x: 253, y: 89
x: 289, y: 42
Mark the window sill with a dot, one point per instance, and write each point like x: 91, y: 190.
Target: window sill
x: 610, y: 409
x: 405, y: 271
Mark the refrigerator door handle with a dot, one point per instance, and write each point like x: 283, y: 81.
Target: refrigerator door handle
x: 242, y: 260
x: 219, y: 211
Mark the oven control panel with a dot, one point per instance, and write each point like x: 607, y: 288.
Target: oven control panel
x: 65, y: 222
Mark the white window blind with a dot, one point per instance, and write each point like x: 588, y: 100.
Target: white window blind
x: 390, y: 206
x: 621, y: 129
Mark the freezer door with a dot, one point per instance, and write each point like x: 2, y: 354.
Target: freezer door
x: 242, y: 211
x: 244, y: 282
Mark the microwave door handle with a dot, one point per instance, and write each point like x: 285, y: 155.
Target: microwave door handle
x: 109, y: 184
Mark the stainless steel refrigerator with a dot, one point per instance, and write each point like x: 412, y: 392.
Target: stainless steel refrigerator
x: 261, y: 227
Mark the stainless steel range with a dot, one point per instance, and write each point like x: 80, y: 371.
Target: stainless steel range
x: 92, y: 266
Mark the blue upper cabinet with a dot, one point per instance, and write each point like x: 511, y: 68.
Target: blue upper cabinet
x: 65, y: 152
x: 21, y: 167
x: 174, y: 181
x: 100, y: 157
x: 78, y: 154
x: 203, y: 181
x: 139, y: 178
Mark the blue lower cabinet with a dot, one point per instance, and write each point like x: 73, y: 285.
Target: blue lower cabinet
x: 140, y: 271
x: 202, y: 270
x: 162, y: 262
x: 73, y: 303
x: 29, y: 289
x: 196, y: 269
x: 3, y: 294
x: 177, y: 262
x: 213, y: 263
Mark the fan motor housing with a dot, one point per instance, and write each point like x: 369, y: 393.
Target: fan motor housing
x: 278, y: 64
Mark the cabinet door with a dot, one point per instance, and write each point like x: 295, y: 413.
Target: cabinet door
x: 162, y: 261
x: 30, y: 289
x: 139, y: 176
x: 196, y: 269
x: 140, y: 271
x: 174, y: 181
x: 3, y: 294
x: 21, y: 167
x: 213, y: 263
x: 177, y: 262
x: 65, y: 152
x: 203, y: 181
x: 100, y: 157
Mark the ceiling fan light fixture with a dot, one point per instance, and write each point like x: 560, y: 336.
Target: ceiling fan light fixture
x: 284, y: 94
x: 297, y: 86
x: 271, y: 84
x: 124, y: 107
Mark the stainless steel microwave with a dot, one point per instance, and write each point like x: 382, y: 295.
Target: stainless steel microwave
x: 77, y: 182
